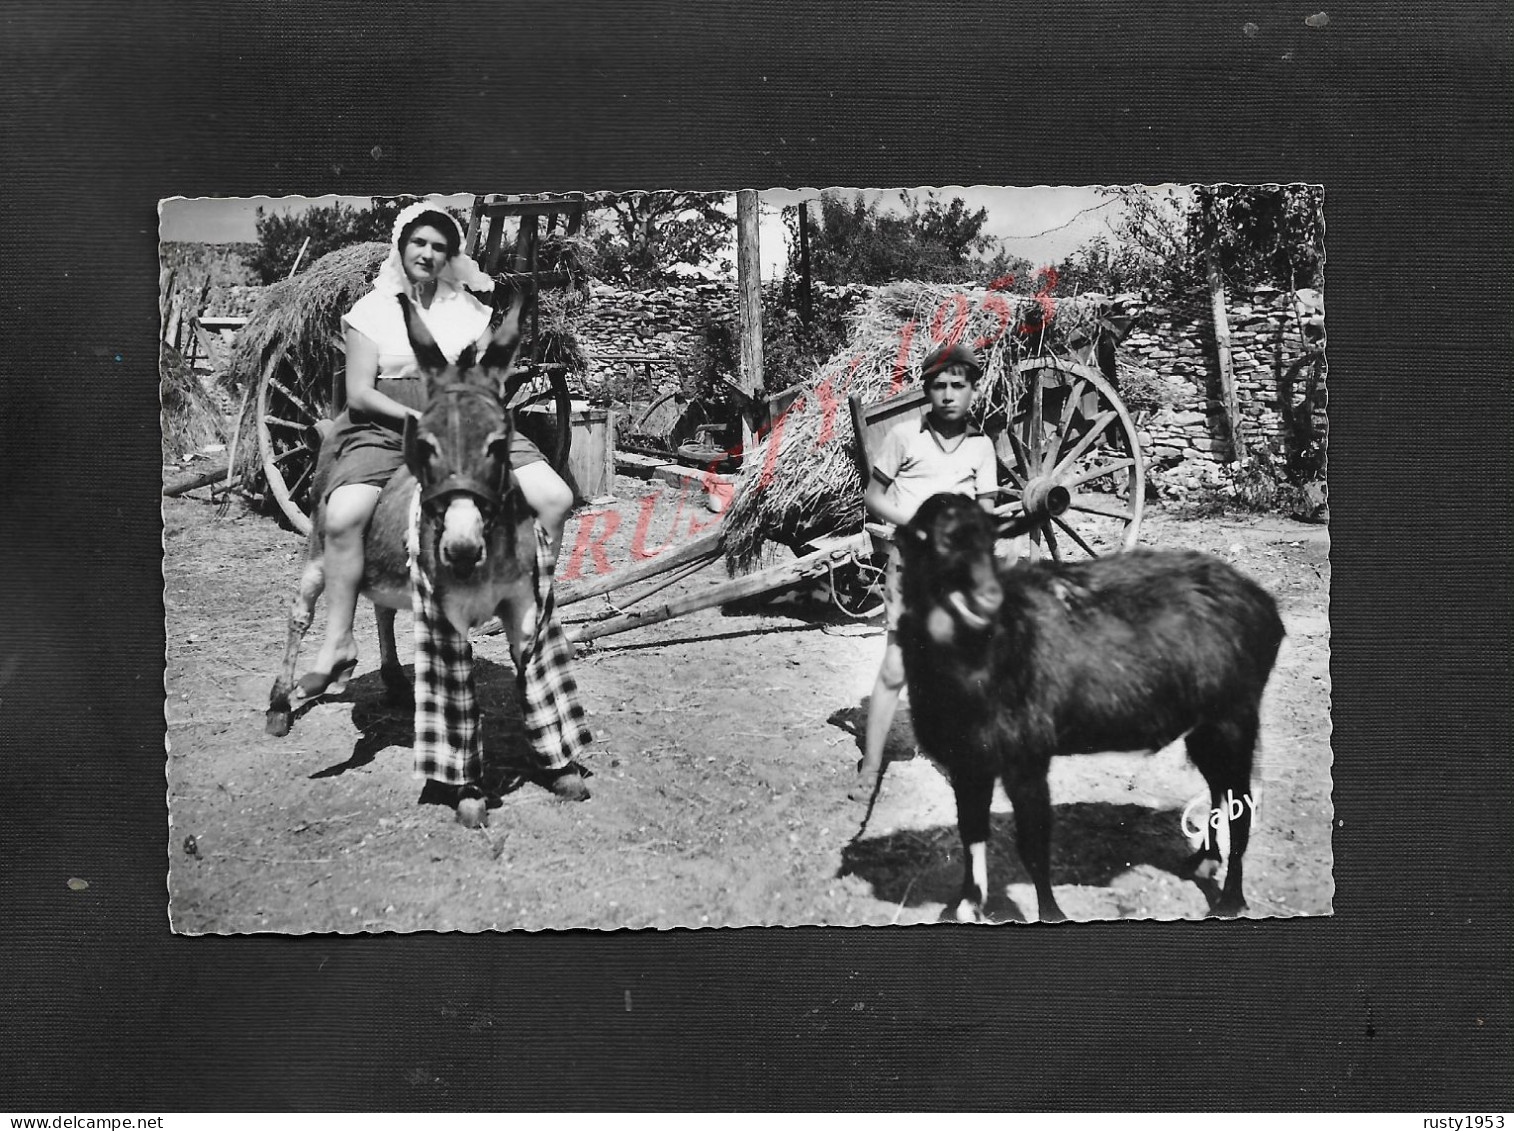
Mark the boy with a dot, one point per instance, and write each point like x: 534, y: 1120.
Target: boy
x: 941, y: 452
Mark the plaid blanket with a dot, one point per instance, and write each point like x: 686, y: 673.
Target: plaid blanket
x: 448, y: 733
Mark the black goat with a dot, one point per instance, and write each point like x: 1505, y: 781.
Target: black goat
x: 1008, y: 667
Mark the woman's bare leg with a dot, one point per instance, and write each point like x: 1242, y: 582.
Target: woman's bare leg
x: 348, y: 510
x: 549, y: 497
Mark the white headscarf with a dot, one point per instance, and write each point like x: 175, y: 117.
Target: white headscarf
x: 460, y: 271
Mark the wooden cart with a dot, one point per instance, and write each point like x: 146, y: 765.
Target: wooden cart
x: 1073, y: 483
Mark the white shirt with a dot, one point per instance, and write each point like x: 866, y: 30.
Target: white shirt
x: 455, y: 319
x: 912, y: 461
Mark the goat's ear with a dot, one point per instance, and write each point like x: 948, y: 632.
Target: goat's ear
x: 504, y: 347
x: 427, y: 352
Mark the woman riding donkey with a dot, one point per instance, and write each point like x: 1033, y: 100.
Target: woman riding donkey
x: 417, y: 338
x: 384, y: 386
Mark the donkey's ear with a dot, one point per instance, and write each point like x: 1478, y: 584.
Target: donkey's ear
x: 504, y: 347
x: 427, y: 352
x: 418, y: 449
x: 466, y: 359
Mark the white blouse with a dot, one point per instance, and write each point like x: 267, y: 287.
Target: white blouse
x: 455, y: 318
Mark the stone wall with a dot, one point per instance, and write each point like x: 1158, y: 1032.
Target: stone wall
x: 671, y: 322
x: 1186, y: 444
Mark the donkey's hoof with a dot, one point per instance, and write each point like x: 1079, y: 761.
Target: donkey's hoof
x: 472, y: 812
x: 277, y: 722
x: 568, y: 786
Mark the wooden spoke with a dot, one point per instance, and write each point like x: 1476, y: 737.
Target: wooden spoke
x: 291, y: 453
x: 1020, y: 456
x: 1088, y: 438
x: 1097, y: 473
x: 1051, y: 541
x: 1086, y: 442
x: 1076, y: 537
x: 1035, y: 426
x: 1084, y: 508
x: 269, y: 418
x: 303, y: 476
x: 296, y: 401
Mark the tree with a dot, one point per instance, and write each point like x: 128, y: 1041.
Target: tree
x: 855, y: 241
x: 1146, y: 249
x: 1261, y: 233
x: 329, y: 227
x: 638, y: 236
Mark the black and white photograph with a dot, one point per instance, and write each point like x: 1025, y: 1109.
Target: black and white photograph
x: 659, y: 559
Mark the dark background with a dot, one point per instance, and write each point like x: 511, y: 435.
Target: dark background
x: 1400, y: 1001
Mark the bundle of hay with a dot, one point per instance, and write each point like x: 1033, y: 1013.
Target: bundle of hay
x: 297, y: 323
x: 191, y: 419
x: 809, y: 485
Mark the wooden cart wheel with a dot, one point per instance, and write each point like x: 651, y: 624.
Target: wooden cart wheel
x: 1071, y: 431
x: 286, y: 412
x: 535, y: 392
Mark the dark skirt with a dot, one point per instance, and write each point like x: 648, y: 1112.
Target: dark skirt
x: 370, y: 449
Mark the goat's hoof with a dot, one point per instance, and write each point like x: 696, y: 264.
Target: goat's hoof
x: 277, y: 722
x: 568, y: 786
x: 472, y: 812
x: 1052, y: 914
x: 1228, y: 908
x: 1200, y: 866
x: 967, y: 911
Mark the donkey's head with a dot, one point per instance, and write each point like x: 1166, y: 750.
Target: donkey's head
x: 459, y: 449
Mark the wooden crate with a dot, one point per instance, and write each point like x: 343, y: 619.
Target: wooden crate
x: 591, y: 448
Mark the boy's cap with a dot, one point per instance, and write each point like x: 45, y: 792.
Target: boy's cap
x: 948, y: 357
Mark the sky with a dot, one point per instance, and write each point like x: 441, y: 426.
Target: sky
x: 1043, y: 224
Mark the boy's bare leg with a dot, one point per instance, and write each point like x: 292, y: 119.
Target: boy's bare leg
x: 881, y: 708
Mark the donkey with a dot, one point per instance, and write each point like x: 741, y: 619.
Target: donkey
x: 477, y: 541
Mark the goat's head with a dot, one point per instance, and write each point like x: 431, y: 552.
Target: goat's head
x: 459, y: 449
x: 950, y: 581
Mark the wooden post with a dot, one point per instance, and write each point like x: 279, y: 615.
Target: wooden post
x: 806, y: 310
x: 1226, y: 365
x: 749, y: 285
x: 298, y: 259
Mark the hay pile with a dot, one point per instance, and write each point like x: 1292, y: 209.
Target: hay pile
x: 190, y: 417
x: 299, y: 320
x: 809, y: 485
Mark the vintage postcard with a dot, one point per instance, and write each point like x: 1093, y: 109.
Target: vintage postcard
x: 666, y: 559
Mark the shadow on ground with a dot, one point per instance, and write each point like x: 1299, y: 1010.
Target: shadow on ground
x: 1092, y: 843
x: 383, y: 721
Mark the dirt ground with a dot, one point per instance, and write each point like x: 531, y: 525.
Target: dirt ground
x: 724, y: 746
